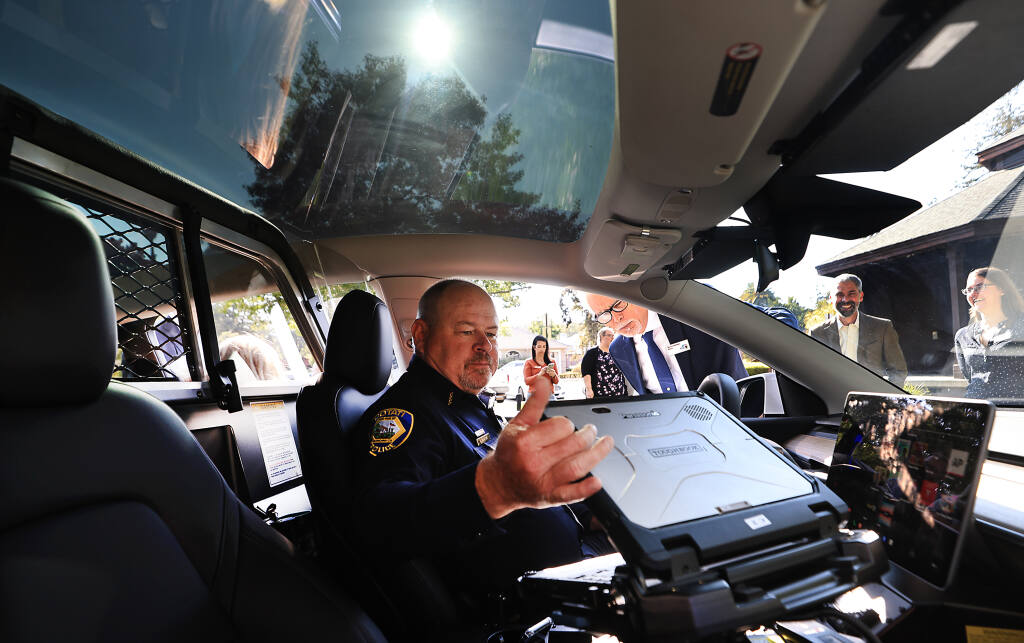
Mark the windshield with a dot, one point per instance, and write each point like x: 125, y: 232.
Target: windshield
x: 931, y: 303
x: 340, y: 118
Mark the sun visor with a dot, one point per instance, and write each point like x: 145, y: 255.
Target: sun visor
x: 623, y: 252
x: 959, y: 65
x: 785, y: 213
x: 693, y: 87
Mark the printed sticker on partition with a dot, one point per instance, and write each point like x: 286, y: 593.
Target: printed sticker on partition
x: 274, y: 429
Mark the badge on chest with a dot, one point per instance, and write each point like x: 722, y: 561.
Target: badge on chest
x: 679, y: 347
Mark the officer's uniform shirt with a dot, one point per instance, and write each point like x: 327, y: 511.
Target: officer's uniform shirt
x: 423, y: 440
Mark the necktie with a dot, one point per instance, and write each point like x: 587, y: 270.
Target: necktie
x: 661, y: 369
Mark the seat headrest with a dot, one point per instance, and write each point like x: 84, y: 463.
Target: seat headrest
x: 57, y: 327
x: 359, y: 344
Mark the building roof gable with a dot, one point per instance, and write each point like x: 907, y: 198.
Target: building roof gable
x: 998, y: 195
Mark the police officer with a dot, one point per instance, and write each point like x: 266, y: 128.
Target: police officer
x: 440, y: 478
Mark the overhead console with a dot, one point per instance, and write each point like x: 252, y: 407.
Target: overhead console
x: 714, y: 81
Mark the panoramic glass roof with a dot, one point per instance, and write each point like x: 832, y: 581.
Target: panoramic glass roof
x: 343, y: 118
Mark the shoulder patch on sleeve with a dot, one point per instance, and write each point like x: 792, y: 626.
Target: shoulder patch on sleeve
x: 391, y: 428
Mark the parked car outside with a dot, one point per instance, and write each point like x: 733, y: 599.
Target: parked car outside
x: 508, y: 381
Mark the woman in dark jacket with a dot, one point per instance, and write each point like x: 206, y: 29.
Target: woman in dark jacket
x: 990, y: 349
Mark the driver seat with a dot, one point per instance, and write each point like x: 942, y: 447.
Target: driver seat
x: 116, y: 525
x: 409, y: 597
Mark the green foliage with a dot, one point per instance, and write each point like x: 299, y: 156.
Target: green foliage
x: 796, y: 308
x: 505, y: 290
x: 916, y: 389
x: 331, y: 295
x: 767, y: 298
x: 755, y: 367
x: 251, y: 316
x: 821, y: 311
x: 571, y: 306
x: 490, y: 173
x: 246, y: 315
x: 764, y: 298
x: 553, y: 331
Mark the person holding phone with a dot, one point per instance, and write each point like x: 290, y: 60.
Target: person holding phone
x: 540, y: 365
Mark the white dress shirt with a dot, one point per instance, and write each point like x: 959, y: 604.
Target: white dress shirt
x: 849, y: 336
x: 647, y: 371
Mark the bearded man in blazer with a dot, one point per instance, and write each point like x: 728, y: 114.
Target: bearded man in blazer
x: 648, y: 343
x: 871, y: 341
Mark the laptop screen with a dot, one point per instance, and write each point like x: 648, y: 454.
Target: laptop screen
x: 908, y: 468
x: 680, y: 457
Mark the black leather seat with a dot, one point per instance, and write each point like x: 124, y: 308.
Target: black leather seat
x: 409, y: 598
x: 115, y: 525
x: 356, y: 369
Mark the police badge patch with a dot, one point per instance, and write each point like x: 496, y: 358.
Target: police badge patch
x: 391, y: 428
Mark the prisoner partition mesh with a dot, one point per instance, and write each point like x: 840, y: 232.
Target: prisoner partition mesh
x: 148, y: 298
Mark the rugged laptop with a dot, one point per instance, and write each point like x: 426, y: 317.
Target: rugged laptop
x: 715, y: 528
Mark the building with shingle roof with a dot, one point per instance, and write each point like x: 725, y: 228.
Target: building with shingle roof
x: 978, y: 226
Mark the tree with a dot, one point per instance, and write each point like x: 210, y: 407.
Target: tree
x: 822, y: 309
x: 765, y: 298
x: 491, y: 174
x: 366, y: 152
x: 537, y: 328
x: 1008, y: 117
x: 571, y: 306
x: 796, y: 308
x: 506, y: 290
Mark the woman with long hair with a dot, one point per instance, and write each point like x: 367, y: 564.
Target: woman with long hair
x: 990, y: 348
x: 539, y: 364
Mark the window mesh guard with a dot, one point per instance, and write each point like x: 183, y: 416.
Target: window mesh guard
x: 151, y: 338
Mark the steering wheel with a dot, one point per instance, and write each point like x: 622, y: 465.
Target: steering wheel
x: 722, y: 389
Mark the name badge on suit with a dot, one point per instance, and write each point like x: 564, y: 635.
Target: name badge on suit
x: 679, y: 347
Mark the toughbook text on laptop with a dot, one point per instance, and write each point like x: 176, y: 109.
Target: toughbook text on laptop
x: 716, y: 529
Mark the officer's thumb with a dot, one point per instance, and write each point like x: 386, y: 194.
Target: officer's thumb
x: 535, y: 404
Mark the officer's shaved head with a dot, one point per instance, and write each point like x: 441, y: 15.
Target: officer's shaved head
x: 429, y: 303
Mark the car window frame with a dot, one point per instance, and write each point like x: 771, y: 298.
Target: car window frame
x: 60, y: 174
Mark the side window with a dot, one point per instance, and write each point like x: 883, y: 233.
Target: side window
x: 153, y: 341
x: 331, y: 295
x: 255, y: 329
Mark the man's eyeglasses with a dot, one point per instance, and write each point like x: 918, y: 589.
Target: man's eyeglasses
x: 605, y: 315
x: 976, y: 288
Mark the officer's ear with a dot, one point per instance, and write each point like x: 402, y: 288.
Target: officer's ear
x: 420, y: 331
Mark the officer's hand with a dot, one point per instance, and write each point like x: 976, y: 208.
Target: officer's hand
x: 539, y: 464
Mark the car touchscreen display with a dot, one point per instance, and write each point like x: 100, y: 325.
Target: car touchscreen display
x: 908, y: 468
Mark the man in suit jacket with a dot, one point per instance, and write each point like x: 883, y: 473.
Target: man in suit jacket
x: 658, y: 354
x: 871, y: 341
